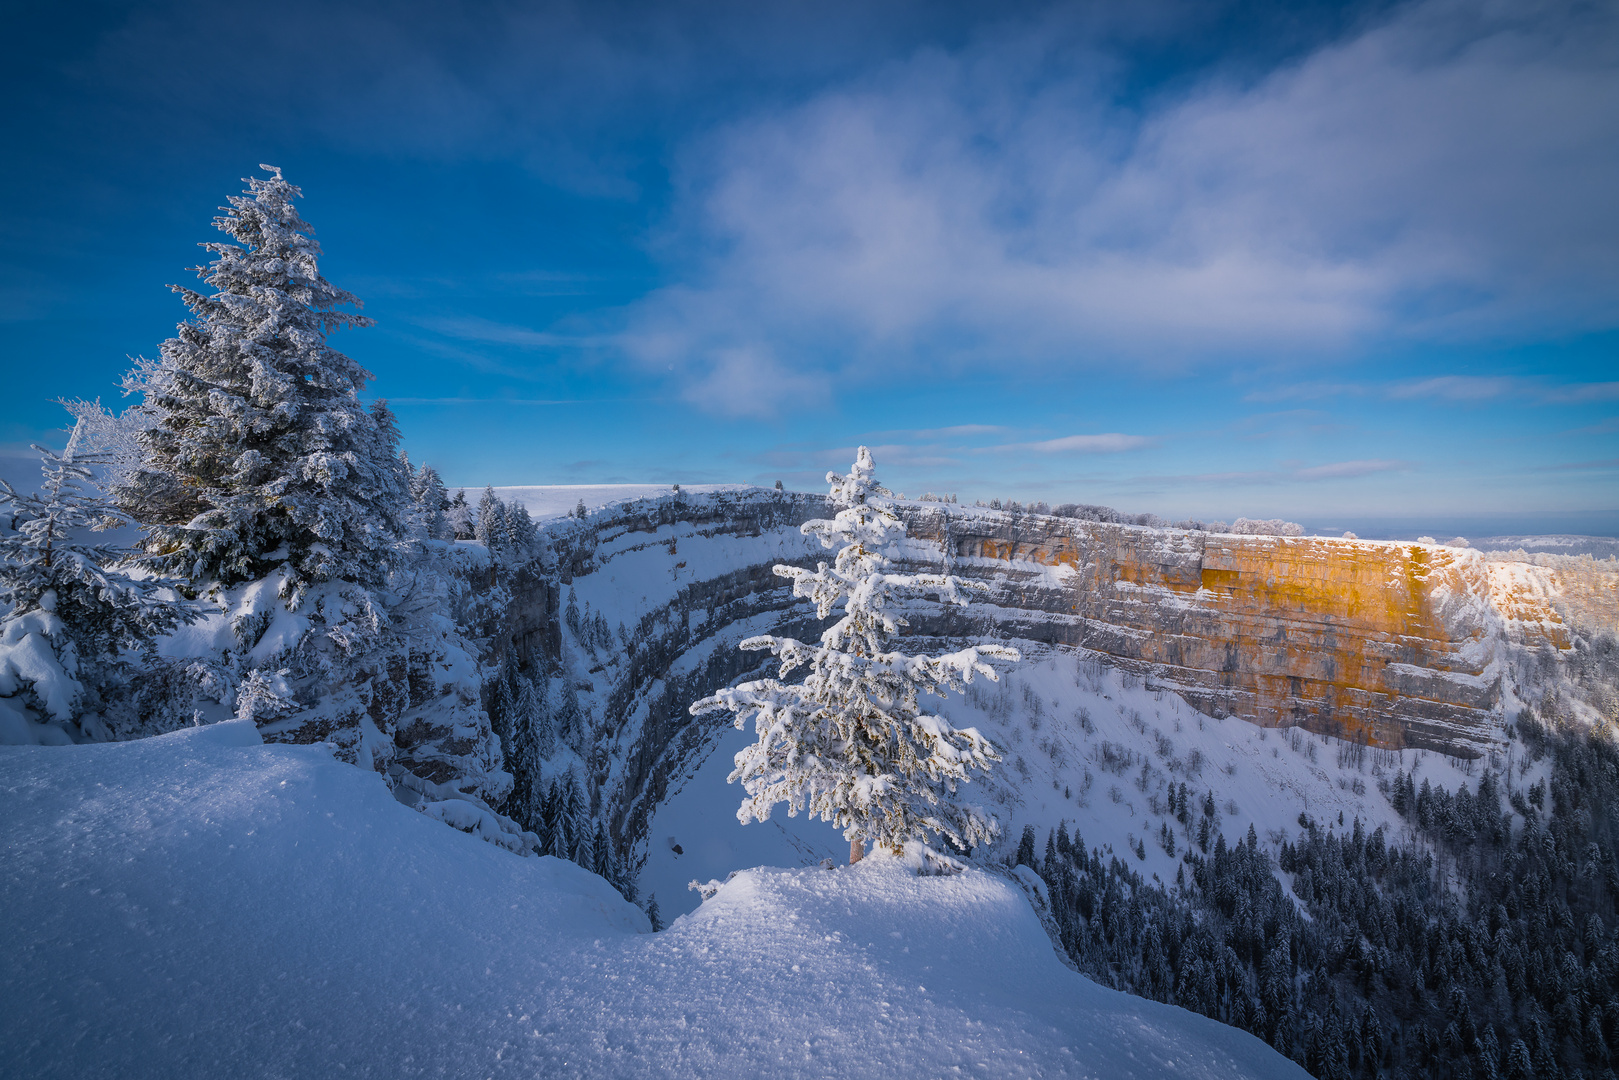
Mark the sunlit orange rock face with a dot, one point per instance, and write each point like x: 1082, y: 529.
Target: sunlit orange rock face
x: 1396, y: 643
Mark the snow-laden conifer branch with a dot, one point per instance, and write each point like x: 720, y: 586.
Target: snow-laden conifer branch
x: 70, y: 610
x: 850, y: 743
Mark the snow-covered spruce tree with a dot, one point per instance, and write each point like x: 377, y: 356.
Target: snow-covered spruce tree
x: 851, y: 744
x: 261, y: 455
x: 71, y: 614
x: 284, y: 501
x: 489, y: 527
x: 430, y: 501
x: 459, y: 517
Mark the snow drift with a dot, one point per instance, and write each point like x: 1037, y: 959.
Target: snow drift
x: 199, y: 904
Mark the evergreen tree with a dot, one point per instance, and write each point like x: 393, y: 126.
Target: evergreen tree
x: 431, y: 501
x: 521, y: 531
x: 261, y: 451
x: 575, y: 821
x: 1025, y: 847
x: 69, y: 611
x: 489, y: 526
x: 653, y: 915
x: 556, y: 832
x: 459, y: 516
x: 850, y: 744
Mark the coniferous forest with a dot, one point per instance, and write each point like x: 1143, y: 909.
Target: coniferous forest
x: 1468, y: 947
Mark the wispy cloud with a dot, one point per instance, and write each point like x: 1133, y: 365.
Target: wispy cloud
x: 1581, y: 466
x: 468, y: 328
x: 1444, y: 173
x: 959, y: 431
x: 1579, y: 393
x: 1451, y: 388
x: 487, y: 401
x: 1111, y: 443
x: 1344, y: 469
x: 1454, y: 388
x: 1337, y: 470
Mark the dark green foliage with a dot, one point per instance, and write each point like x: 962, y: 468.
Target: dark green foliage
x: 1478, y: 950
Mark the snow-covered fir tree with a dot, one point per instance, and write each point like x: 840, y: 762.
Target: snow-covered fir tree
x: 489, y: 527
x: 459, y: 516
x: 260, y: 454
x: 431, y: 502
x: 284, y: 501
x: 71, y: 612
x: 521, y: 531
x: 851, y: 744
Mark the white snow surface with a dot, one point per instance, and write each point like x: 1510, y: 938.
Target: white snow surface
x: 202, y: 905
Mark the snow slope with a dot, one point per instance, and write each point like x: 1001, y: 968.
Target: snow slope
x: 699, y: 817
x: 199, y: 905
x: 1083, y: 743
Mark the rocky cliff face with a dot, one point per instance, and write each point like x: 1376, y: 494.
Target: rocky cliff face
x: 1393, y: 643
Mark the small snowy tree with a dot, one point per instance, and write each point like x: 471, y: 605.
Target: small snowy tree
x: 521, y: 532
x: 70, y: 612
x: 459, y: 516
x: 259, y: 452
x: 489, y: 528
x: 851, y: 744
x: 430, y: 501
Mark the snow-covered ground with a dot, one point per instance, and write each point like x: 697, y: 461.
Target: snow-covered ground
x: 200, y: 905
x: 560, y: 500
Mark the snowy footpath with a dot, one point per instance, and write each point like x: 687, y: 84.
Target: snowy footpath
x: 201, y: 905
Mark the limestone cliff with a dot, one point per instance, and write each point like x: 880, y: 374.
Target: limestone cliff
x: 1398, y: 643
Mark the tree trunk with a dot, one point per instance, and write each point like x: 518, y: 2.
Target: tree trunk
x: 857, y: 851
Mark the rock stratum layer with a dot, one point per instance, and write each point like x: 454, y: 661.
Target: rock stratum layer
x: 1394, y: 643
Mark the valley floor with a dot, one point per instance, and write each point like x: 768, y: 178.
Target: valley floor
x: 200, y: 905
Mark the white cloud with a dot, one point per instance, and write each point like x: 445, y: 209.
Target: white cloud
x: 1111, y: 443
x: 1448, y: 172
x: 1340, y: 470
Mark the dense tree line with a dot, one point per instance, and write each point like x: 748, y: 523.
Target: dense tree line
x: 1480, y: 945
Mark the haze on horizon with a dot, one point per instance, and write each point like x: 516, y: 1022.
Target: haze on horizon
x: 1342, y: 264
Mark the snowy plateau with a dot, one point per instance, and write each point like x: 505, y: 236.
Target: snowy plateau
x: 204, y: 903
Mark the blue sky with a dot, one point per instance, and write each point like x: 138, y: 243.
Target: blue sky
x: 1353, y: 265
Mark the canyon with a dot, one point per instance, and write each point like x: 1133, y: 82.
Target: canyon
x: 1391, y: 644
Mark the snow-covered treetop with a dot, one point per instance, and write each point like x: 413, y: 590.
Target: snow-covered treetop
x: 277, y: 261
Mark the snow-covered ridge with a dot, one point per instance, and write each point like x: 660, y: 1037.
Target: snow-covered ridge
x: 199, y: 905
